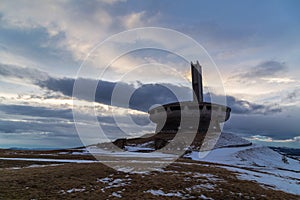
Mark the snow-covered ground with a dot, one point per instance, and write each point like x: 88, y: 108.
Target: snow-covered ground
x: 258, y: 163
x: 231, y: 140
x: 51, y: 160
x: 34, y: 166
x: 251, y: 162
x: 130, y: 154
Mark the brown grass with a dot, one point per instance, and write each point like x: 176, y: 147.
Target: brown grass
x: 52, y: 182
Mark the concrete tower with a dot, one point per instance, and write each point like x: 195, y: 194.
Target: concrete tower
x: 196, y: 70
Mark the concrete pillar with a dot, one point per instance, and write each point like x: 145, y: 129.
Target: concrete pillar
x: 197, y: 82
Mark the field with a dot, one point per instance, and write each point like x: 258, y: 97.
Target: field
x: 58, y: 179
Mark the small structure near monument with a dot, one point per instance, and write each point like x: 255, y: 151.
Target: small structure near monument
x: 209, y: 115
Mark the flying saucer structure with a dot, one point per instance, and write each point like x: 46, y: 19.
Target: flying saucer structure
x: 182, y: 115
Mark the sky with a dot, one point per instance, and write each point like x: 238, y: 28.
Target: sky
x: 45, y: 47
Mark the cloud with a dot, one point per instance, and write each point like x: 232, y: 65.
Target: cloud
x: 239, y: 106
x: 263, y: 138
x: 260, y: 78
x: 75, y: 27
x: 264, y: 71
x: 144, y: 96
x: 37, y: 111
x: 36, y: 125
x: 111, y: 2
x: 150, y: 94
x: 265, y: 80
x: 291, y: 96
x: 282, y: 126
x: 246, y: 107
x: 76, y: 24
x: 142, y: 99
x: 38, y: 133
x: 23, y: 73
x: 133, y: 20
x: 280, y: 80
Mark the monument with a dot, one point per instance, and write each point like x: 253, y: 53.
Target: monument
x: 168, y: 117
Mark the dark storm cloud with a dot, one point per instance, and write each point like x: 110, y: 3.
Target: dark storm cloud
x: 142, y: 99
x: 36, y: 111
x: 65, y: 85
x: 30, y: 74
x: 150, y: 94
x: 278, y: 126
x: 246, y: 107
x: 51, y: 127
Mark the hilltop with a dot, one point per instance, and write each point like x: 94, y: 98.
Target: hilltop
x: 235, y: 169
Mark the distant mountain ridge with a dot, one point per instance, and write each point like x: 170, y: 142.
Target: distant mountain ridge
x: 290, y: 152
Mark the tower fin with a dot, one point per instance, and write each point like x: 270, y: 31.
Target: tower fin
x: 196, y: 70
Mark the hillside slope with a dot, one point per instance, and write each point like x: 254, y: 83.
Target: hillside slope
x: 253, y: 162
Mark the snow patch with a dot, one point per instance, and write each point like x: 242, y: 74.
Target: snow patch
x: 114, y: 183
x: 95, y: 150
x: 162, y: 193
x: 137, y: 148
x: 51, y: 160
x: 35, y: 166
x: 115, y: 194
x: 205, y: 197
x: 75, y: 190
x: 72, y: 190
